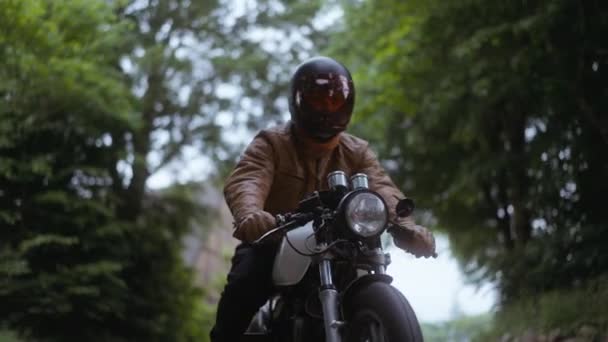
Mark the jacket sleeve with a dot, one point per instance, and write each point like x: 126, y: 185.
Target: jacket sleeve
x: 380, y: 182
x: 247, y: 187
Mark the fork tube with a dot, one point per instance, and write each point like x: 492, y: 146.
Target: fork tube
x: 325, y: 272
x: 380, y: 268
x: 329, y: 301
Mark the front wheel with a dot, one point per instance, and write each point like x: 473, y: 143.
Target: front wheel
x: 378, y: 312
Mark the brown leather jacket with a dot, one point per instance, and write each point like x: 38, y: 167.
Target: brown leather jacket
x: 276, y: 172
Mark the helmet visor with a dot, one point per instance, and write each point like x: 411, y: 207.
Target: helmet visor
x: 327, y: 99
x: 325, y: 93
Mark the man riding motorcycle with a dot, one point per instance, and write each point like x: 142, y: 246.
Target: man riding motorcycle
x: 282, y: 165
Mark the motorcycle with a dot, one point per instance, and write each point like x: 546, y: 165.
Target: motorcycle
x: 330, y: 271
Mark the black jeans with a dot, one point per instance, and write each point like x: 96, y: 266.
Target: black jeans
x: 249, y: 286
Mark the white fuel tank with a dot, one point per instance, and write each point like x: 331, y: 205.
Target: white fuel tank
x: 289, y: 266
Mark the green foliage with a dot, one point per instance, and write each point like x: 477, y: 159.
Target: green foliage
x: 72, y: 268
x: 59, y: 94
x: 164, y: 304
x: 464, y: 328
x: 60, y: 62
x: 204, y: 70
x: 563, y: 310
x: 7, y: 336
x: 95, y: 97
x: 492, y: 117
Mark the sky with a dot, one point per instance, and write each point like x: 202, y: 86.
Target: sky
x: 436, y: 288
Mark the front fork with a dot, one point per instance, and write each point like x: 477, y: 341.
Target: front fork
x: 329, y: 302
x: 328, y: 295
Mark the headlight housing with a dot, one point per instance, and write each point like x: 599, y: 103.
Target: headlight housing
x: 366, y: 214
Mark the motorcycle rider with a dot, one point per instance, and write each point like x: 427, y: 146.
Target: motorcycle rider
x: 283, y: 164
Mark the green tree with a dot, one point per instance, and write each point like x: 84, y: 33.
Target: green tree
x: 62, y: 251
x: 491, y: 115
x: 197, y: 68
x: 96, y: 97
x: 74, y: 265
x: 190, y: 66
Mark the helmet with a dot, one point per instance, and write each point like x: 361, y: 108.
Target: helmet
x: 321, y: 98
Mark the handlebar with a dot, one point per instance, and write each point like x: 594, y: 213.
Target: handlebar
x: 291, y: 221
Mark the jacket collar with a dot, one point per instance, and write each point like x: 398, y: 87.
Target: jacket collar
x: 310, y: 148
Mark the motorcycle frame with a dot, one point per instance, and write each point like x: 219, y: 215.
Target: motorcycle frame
x: 370, y: 264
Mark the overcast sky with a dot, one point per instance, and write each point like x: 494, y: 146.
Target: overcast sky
x: 436, y: 288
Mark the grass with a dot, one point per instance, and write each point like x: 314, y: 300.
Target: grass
x: 563, y: 310
x: 8, y: 336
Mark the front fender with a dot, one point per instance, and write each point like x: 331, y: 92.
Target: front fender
x: 360, y: 283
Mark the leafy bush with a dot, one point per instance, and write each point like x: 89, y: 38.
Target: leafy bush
x: 563, y: 310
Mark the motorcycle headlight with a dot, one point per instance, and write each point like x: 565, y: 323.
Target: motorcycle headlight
x: 366, y: 214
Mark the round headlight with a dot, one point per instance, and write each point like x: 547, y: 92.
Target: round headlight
x: 366, y: 214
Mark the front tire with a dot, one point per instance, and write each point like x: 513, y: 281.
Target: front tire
x: 378, y: 312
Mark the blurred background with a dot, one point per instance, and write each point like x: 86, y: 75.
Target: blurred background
x: 120, y: 119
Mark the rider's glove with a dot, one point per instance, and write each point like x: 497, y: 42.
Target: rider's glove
x: 254, y: 225
x: 413, y: 238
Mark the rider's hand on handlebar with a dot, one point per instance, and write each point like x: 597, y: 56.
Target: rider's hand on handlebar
x: 254, y: 225
x: 413, y: 238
